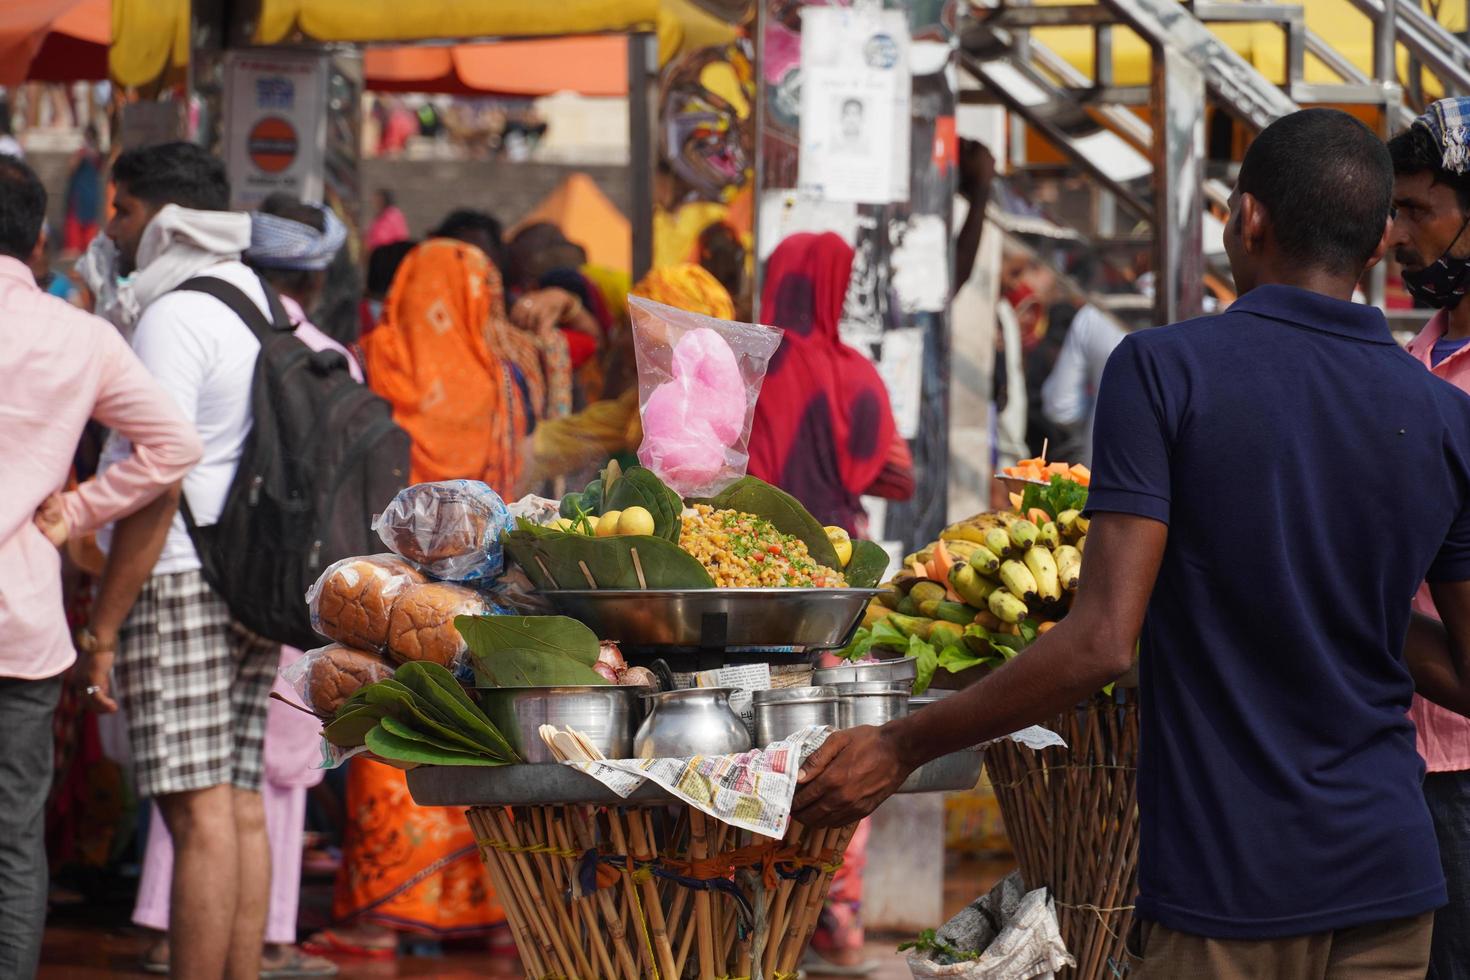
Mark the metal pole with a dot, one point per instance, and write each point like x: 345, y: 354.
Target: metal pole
x: 643, y: 144
x: 1385, y: 65
x: 1177, y: 108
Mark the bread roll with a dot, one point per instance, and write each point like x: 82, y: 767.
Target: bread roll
x: 337, y: 673
x: 352, y: 600
x: 433, y: 522
x: 421, y: 626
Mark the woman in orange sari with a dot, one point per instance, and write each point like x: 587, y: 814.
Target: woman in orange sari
x: 465, y: 385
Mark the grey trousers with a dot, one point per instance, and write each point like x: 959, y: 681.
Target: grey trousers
x: 26, y: 710
x: 1448, y: 795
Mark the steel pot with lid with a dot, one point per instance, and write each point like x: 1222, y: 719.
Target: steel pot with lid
x: 782, y: 712
x: 697, y: 721
x: 870, y: 703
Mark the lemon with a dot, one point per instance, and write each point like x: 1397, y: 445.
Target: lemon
x: 565, y: 524
x: 607, y: 524
x: 841, y: 543
x: 636, y: 520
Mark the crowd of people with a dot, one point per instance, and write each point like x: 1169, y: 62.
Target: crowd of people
x: 504, y: 360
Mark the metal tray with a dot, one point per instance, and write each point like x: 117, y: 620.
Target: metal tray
x: 552, y: 784
x: 692, y: 620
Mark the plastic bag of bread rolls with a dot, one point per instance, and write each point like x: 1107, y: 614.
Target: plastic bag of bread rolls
x: 327, y: 676
x: 352, y: 600
x: 450, y: 530
x: 421, y: 626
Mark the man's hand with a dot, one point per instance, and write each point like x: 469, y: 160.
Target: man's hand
x: 95, y: 676
x: 51, y: 520
x: 544, y: 309
x: 845, y: 780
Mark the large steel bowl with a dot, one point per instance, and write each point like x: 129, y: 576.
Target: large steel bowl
x: 686, y: 620
x: 607, y: 715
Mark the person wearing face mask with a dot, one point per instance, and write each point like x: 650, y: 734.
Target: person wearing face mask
x: 1431, y: 240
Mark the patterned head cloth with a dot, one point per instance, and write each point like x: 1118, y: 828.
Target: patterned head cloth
x: 280, y: 243
x: 1448, y: 121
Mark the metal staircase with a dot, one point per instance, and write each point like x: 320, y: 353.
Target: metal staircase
x: 1153, y: 167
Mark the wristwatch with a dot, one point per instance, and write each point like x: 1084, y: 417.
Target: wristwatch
x: 87, y: 642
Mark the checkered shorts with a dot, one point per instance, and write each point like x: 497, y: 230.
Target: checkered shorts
x: 195, y: 688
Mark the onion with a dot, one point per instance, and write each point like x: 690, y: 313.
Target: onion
x: 606, y: 671
x: 638, y: 677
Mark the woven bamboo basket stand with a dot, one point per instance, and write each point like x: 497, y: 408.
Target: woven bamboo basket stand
x: 1072, y: 817
x: 635, y: 892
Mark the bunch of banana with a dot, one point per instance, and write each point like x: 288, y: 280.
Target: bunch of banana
x: 994, y: 569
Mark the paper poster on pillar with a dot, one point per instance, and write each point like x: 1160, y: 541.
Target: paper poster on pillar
x: 275, y: 124
x: 855, y: 91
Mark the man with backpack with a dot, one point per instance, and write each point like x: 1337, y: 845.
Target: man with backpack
x: 193, y: 685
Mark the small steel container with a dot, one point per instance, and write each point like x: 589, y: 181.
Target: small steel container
x: 869, y: 703
x: 783, y: 712
x: 900, y: 673
x: 606, y: 715
x: 697, y: 721
x: 928, y: 697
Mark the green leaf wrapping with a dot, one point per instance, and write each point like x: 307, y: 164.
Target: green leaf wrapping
x: 396, y: 748
x: 751, y: 496
x: 548, y: 635
x: 437, y: 688
x: 553, y: 559
x: 639, y: 487
x: 351, y: 725
x: 868, y: 565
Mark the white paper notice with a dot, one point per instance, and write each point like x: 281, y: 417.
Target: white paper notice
x: 855, y: 92
x: 784, y: 213
x: 920, y: 263
x: 902, y: 370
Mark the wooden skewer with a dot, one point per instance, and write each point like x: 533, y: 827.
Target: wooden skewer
x: 638, y: 567
x: 591, y: 582
x: 547, y: 572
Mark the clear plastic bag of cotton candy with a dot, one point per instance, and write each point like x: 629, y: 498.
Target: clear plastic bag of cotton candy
x: 698, y: 381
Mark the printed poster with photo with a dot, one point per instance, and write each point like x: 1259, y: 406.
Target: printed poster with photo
x: 855, y: 91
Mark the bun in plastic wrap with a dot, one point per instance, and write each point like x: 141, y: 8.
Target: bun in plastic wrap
x: 335, y: 673
x: 451, y: 529
x: 421, y: 626
x: 352, y: 600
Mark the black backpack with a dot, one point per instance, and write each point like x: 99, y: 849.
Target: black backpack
x: 323, y: 456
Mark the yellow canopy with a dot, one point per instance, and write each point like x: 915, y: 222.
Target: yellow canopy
x: 150, y: 36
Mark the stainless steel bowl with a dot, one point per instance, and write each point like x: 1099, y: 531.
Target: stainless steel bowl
x: 607, y: 715
x: 869, y: 703
x: 697, y: 721
x: 900, y: 673
x: 782, y: 712
x: 718, y: 619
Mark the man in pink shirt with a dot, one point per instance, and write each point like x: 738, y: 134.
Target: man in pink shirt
x: 1431, y: 198
x: 58, y: 368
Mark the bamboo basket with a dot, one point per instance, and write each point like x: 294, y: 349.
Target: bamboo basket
x: 659, y: 892
x: 1072, y: 817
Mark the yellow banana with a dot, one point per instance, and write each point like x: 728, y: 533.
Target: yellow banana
x: 1082, y: 524
x: 1067, y: 521
x: 1069, y: 566
x: 972, y: 587
x: 999, y: 542
x: 1023, y: 534
x: 1050, y: 536
x: 1044, y: 569
x: 961, y: 549
x: 962, y: 532
x: 1018, y: 578
x: 1006, y: 607
x: 1082, y: 545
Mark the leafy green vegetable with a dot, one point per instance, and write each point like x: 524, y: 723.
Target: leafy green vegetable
x: 554, y: 559
x: 522, y: 668
x: 887, y: 634
x: 639, y: 487
x: 931, y: 945
x: 1061, y: 494
x: 751, y: 496
x: 927, y: 661
x: 396, y: 748
x: 552, y: 636
x: 957, y: 658
x: 351, y: 725
x: 868, y: 565
x: 437, y: 688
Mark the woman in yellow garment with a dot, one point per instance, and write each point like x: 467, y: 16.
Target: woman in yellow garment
x: 608, y: 428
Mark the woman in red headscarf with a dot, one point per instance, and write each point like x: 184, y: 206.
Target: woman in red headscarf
x: 823, y: 429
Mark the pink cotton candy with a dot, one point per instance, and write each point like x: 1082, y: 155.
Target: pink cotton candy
x: 678, y: 443
x: 707, y: 366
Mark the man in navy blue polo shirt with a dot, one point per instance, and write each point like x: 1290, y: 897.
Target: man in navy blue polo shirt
x: 1253, y: 472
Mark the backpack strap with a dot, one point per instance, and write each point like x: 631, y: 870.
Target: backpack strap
x: 249, y: 313
x: 243, y: 306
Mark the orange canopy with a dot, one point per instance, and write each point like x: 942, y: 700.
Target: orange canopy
x: 54, y: 40
x: 584, y: 214
x: 589, y: 65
